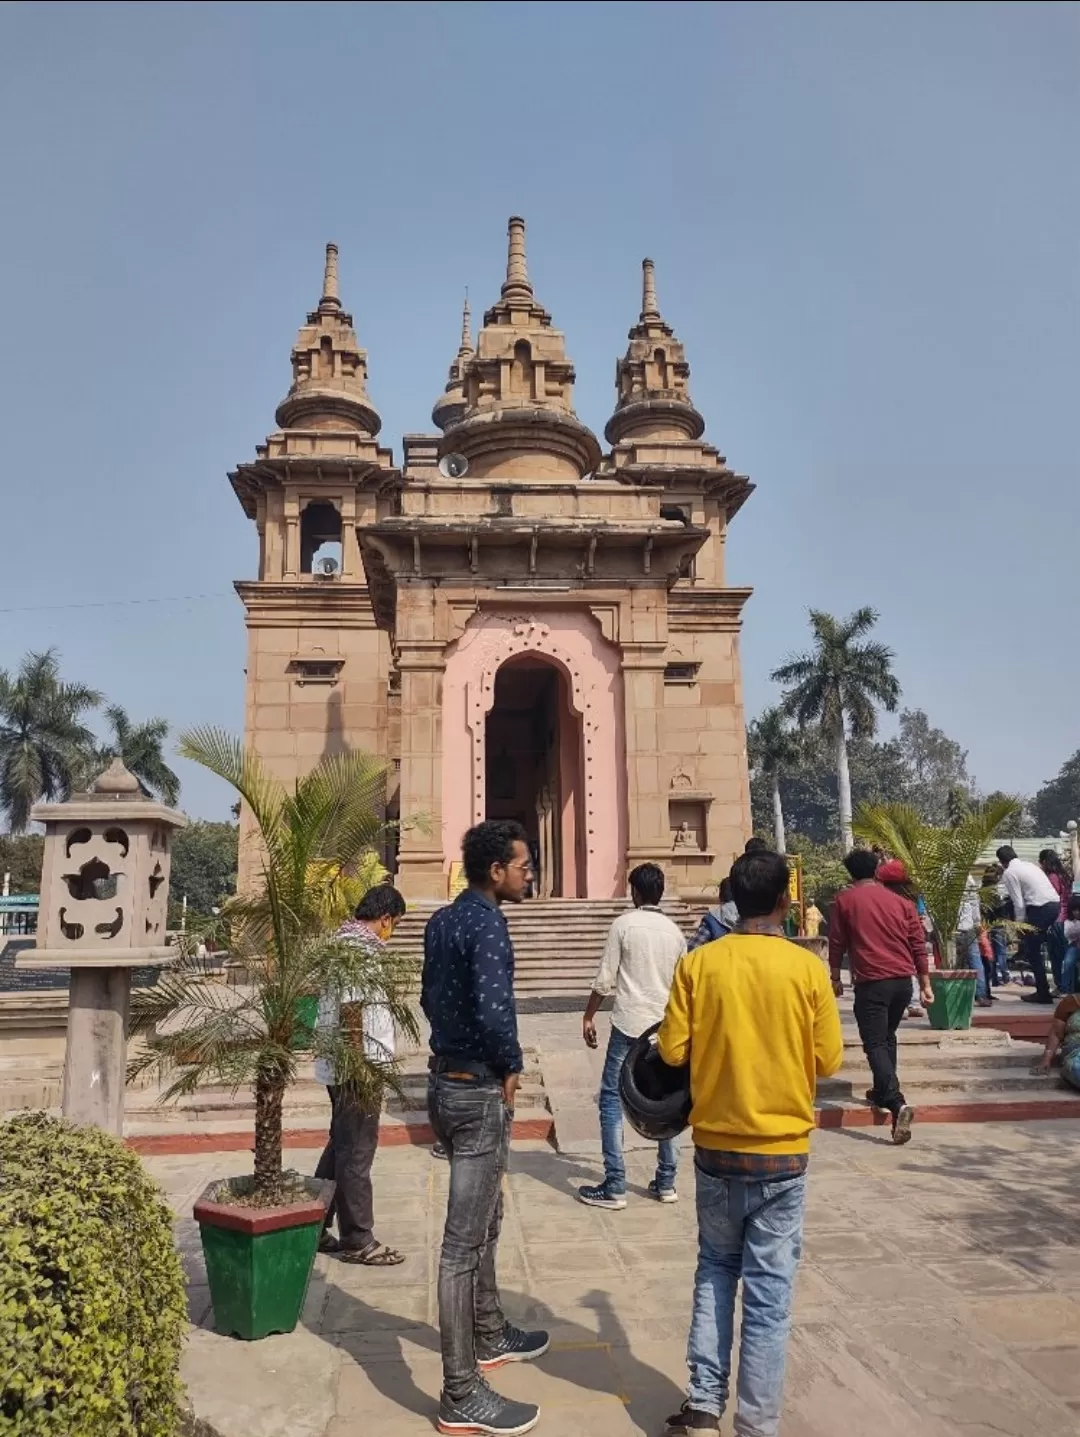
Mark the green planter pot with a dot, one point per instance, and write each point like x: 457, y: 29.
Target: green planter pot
x: 306, y: 1013
x: 954, y: 998
x: 259, y: 1260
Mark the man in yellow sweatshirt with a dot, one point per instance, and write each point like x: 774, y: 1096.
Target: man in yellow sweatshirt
x: 755, y: 1018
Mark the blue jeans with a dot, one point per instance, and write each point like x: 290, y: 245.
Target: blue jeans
x: 967, y: 953
x: 1068, y: 968
x: 751, y: 1230
x: 1001, y: 953
x: 611, y: 1121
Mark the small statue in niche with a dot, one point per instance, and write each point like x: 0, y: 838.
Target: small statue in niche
x: 685, y: 837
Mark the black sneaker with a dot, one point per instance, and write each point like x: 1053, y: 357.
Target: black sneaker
x: 691, y: 1419
x: 512, y: 1345
x: 1035, y: 998
x: 438, y: 1151
x: 600, y: 1197
x: 483, y: 1411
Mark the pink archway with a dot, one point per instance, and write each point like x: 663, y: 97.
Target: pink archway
x: 571, y: 642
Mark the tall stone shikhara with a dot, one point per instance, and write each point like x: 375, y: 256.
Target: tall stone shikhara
x: 520, y: 624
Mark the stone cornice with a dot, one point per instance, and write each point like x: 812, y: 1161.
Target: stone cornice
x: 732, y: 489
x: 331, y: 471
x: 332, y: 603
x: 701, y: 610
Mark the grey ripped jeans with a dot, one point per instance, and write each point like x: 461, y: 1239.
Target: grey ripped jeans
x: 473, y: 1123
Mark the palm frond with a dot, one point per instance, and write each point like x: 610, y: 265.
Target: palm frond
x: 939, y: 861
x: 319, y: 833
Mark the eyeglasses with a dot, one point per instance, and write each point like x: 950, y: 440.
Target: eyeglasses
x: 525, y: 867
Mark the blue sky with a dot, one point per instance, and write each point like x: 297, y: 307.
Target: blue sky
x: 866, y: 223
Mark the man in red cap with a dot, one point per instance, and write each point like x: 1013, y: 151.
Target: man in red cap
x: 883, y: 938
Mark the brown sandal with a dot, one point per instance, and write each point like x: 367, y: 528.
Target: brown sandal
x: 374, y: 1256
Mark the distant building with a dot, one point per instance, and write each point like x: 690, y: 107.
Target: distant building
x: 18, y: 916
x: 522, y: 625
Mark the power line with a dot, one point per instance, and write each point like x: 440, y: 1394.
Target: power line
x: 115, y: 603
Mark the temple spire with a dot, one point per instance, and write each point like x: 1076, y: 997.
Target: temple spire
x: 331, y: 297
x: 517, y: 275
x: 329, y: 383
x: 652, y: 380
x: 649, y: 307
x: 450, y: 405
x: 466, y: 330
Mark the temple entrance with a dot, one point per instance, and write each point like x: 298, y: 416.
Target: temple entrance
x: 534, y: 771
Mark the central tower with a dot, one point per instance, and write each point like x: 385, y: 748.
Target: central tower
x: 519, y: 420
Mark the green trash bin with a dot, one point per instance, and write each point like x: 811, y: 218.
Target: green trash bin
x: 954, y: 998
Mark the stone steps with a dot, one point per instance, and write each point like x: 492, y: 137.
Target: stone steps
x: 306, y: 1105
x: 973, y: 1084
x: 557, y: 941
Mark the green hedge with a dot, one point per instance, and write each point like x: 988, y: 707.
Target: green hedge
x: 92, y: 1305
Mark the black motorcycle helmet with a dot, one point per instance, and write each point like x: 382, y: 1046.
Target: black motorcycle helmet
x: 655, y: 1096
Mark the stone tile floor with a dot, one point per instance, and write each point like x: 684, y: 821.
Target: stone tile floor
x: 939, y: 1294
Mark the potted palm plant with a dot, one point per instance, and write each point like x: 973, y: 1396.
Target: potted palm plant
x: 939, y: 862
x: 260, y: 1233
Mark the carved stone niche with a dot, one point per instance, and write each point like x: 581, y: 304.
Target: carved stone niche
x: 688, y: 821
x: 105, y: 878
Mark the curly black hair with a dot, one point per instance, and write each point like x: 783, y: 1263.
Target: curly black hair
x: 490, y: 842
x: 382, y: 901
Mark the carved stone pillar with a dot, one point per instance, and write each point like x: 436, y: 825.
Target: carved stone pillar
x: 643, y: 695
x: 292, y: 535
x: 421, y: 661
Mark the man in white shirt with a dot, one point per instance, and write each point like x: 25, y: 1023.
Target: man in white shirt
x: 642, y: 949
x: 1035, y: 901
x: 968, y: 923
x: 354, y: 1125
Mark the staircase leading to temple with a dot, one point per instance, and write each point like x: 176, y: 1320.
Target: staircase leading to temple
x: 557, y: 941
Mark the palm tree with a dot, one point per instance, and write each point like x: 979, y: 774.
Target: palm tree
x: 140, y: 746
x: 772, y: 748
x: 938, y: 860
x: 43, y: 738
x: 837, y: 686
x: 328, y: 822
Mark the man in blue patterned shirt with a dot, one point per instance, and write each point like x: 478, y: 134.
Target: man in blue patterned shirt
x: 468, y: 998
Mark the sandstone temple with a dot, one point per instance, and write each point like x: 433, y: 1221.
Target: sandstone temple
x: 521, y: 623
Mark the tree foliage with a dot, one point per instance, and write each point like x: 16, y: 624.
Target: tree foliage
x: 329, y: 821
x: 204, y: 867
x: 936, y: 768
x: 48, y: 749
x: 837, y: 687
x: 1058, y: 801
x: 773, y: 748
x: 21, y: 855
x: 141, y: 747
x: 809, y: 790
x: 43, y: 735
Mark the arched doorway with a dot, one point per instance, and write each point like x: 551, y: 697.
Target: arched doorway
x: 534, y: 770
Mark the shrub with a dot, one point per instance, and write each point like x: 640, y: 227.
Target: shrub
x: 92, y: 1305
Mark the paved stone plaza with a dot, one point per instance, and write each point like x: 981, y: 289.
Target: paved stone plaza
x: 937, y: 1296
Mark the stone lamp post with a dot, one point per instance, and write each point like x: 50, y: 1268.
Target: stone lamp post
x: 104, y: 897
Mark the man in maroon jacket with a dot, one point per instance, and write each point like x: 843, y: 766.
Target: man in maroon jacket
x: 883, y: 937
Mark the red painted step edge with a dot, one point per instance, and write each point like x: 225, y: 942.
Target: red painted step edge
x: 543, y: 1129
x: 984, y: 1112
x: 392, y: 1135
